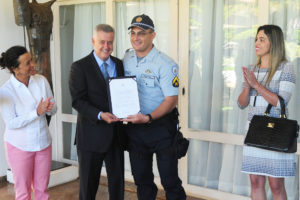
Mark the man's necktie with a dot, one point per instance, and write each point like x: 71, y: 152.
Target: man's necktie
x: 105, y: 73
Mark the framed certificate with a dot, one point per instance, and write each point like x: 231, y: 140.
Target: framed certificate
x: 124, y: 97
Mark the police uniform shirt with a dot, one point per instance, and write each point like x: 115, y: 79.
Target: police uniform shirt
x: 157, y: 77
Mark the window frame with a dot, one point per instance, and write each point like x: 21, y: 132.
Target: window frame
x: 110, y: 19
x: 204, y: 135
x: 179, y: 51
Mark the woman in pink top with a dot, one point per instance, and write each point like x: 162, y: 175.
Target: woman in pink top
x: 25, y: 100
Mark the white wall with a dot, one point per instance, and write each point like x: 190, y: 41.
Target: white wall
x: 11, y: 35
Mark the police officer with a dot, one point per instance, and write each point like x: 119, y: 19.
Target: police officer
x: 153, y: 129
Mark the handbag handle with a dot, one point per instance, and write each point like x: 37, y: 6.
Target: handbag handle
x: 282, y: 107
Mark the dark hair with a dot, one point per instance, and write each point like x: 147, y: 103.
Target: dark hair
x: 9, y: 59
x: 277, y: 48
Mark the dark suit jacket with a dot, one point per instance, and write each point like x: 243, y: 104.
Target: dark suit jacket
x: 89, y: 96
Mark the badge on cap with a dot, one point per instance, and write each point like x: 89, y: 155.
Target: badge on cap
x: 148, y: 71
x: 175, y: 82
x: 139, y: 19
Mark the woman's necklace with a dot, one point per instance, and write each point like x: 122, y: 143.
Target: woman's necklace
x: 254, y: 103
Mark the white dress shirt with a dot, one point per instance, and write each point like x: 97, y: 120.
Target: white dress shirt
x: 111, y: 70
x: 24, y: 128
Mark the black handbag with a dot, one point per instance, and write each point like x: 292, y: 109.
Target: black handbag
x: 276, y: 134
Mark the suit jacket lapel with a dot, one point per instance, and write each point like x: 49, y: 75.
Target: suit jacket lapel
x: 119, y: 67
x: 94, y: 64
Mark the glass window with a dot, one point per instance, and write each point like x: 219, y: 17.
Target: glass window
x: 157, y: 10
x: 69, y: 149
x: 221, y: 41
x: 76, y: 28
x: 286, y: 14
x: 217, y: 166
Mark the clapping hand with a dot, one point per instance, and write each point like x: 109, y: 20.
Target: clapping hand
x: 245, y: 80
x: 50, y: 106
x: 44, y: 106
x: 249, y: 78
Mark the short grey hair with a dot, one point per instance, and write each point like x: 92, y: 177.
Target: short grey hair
x: 103, y: 27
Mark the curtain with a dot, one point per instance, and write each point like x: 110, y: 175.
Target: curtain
x: 157, y: 10
x: 221, y: 41
x: 86, y: 17
x: 286, y: 14
x: 76, y: 29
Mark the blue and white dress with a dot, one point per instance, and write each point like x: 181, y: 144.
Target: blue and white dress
x: 265, y: 162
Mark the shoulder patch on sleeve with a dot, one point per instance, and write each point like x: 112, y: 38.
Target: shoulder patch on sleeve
x: 175, y: 70
x: 175, y: 81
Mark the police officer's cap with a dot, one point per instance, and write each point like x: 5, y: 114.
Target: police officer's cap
x: 142, y: 21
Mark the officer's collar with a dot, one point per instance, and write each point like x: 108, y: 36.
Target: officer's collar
x: 150, y: 55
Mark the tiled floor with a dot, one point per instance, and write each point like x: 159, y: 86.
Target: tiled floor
x: 69, y: 191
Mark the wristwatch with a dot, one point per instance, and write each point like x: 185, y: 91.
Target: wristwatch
x: 150, y: 118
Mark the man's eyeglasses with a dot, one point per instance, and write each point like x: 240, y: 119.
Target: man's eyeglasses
x: 139, y: 34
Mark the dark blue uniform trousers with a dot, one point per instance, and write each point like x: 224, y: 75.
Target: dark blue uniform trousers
x: 144, y: 141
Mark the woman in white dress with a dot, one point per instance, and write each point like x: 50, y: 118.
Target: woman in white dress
x: 272, y: 75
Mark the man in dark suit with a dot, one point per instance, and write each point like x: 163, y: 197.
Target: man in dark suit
x: 96, y: 132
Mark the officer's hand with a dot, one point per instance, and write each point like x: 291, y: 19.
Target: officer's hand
x: 137, y: 119
x: 108, y: 117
